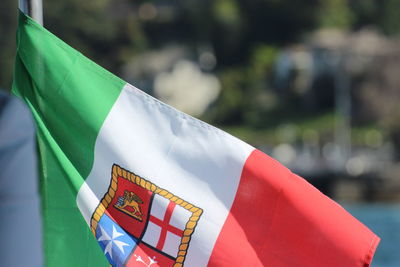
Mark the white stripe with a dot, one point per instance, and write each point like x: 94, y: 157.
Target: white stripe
x: 189, y: 158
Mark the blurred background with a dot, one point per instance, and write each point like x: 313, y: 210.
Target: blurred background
x: 313, y: 83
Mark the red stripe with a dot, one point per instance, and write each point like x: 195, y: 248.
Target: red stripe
x: 165, y: 226
x: 278, y: 219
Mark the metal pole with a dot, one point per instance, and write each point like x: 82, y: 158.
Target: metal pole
x: 33, y: 8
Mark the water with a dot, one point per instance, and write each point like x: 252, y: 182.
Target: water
x: 384, y: 220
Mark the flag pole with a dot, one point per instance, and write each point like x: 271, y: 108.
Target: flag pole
x: 33, y: 8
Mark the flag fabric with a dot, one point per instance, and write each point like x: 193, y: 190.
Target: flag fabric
x: 129, y: 181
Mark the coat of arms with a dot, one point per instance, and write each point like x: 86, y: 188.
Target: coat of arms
x: 132, y: 201
x: 138, y: 223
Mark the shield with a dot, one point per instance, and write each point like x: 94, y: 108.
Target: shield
x: 137, y: 221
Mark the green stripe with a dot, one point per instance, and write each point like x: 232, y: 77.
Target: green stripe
x: 70, y: 94
x: 70, y: 97
x: 67, y: 240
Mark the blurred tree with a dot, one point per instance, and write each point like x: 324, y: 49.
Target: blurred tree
x: 241, y: 24
x: 233, y: 100
x: 335, y: 14
x: 104, y: 30
x: 8, y: 25
x: 381, y: 14
x: 366, y: 12
x: 390, y: 17
x: 378, y: 94
x: 244, y: 36
x: 247, y: 96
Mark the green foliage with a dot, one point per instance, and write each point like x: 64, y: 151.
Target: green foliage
x: 390, y: 19
x: 245, y: 36
x: 96, y: 29
x: 335, y: 14
x: 227, y: 11
x: 232, y: 101
x: 8, y: 25
x: 263, y: 59
x: 246, y: 95
x: 321, y: 125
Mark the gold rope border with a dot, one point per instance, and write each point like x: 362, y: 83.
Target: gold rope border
x: 117, y: 171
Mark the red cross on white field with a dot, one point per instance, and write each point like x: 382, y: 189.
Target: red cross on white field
x: 165, y: 225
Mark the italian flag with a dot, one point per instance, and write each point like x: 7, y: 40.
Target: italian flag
x: 130, y: 181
